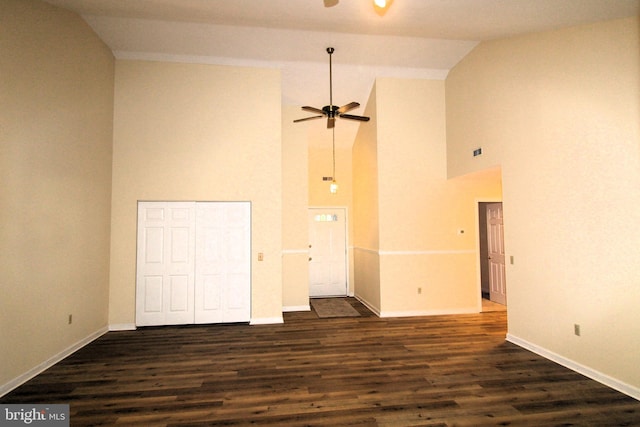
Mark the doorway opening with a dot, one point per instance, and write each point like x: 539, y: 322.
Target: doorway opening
x: 493, y: 286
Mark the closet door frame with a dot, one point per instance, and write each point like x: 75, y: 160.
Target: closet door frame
x: 193, y: 263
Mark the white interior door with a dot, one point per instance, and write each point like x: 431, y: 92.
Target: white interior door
x: 327, y: 252
x: 165, y: 277
x: 495, y: 243
x: 223, y: 262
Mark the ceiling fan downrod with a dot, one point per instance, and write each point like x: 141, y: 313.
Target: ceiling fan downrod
x: 330, y: 51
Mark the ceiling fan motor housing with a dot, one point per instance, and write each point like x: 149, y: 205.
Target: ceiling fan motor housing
x: 330, y: 110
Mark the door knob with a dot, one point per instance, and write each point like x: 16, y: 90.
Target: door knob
x: 310, y: 258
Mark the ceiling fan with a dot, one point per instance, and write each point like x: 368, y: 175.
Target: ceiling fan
x: 332, y: 111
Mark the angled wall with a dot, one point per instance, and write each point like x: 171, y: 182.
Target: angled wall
x: 366, y: 240
x: 427, y: 266
x: 410, y: 258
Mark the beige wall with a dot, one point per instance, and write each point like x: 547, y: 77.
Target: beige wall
x: 366, y: 234
x: 426, y: 265
x: 56, y: 98
x: 560, y: 112
x: 197, y: 132
x: 320, y: 165
x: 295, y: 228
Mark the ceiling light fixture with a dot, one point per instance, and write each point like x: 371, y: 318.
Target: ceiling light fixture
x: 382, y: 6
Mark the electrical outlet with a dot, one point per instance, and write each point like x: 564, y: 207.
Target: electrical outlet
x: 419, y: 290
x: 260, y: 256
x: 576, y: 329
x: 70, y: 318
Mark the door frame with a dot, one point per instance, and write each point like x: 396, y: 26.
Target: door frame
x: 347, y: 255
x: 479, y: 243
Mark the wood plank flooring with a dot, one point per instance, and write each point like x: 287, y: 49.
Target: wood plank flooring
x: 357, y: 371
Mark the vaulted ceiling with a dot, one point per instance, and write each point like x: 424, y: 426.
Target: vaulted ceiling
x: 414, y: 38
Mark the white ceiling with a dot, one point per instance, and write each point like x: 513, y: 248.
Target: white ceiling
x: 414, y: 38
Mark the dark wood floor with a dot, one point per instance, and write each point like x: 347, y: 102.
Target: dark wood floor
x: 364, y: 371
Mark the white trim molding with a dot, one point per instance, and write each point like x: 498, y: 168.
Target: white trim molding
x: 421, y: 252
x: 372, y: 251
x: 122, y: 327
x: 412, y: 313
x: 371, y: 308
x: 291, y: 308
x: 432, y: 252
x: 615, y: 384
x: 266, y: 320
x: 295, y: 251
x: 38, y: 369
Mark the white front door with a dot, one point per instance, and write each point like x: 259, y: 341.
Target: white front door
x: 327, y: 252
x: 495, y: 241
x: 223, y: 262
x: 165, y: 277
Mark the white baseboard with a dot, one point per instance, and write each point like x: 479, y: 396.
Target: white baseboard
x: 266, y: 321
x: 371, y: 308
x: 296, y: 308
x: 412, y: 313
x: 615, y: 384
x: 122, y: 327
x: 21, y: 379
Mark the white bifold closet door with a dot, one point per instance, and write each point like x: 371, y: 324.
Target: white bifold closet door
x: 193, y: 263
x: 223, y: 262
x: 165, y: 263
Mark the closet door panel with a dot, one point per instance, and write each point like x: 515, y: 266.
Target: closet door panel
x: 223, y: 262
x: 165, y: 276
